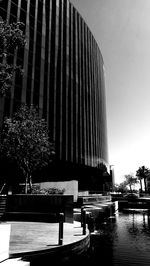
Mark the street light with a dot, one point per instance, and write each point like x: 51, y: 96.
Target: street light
x: 112, y: 174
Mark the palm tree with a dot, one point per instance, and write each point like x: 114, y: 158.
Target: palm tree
x: 140, y: 179
x: 143, y: 173
x: 130, y: 180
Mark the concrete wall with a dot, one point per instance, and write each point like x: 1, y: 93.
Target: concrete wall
x: 83, y: 193
x: 70, y: 187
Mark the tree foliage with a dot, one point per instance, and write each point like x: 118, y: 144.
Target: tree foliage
x: 143, y: 172
x: 102, y: 167
x: 11, y: 37
x: 122, y: 187
x: 26, y: 141
x: 130, y: 181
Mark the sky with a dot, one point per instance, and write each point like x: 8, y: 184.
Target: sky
x: 122, y: 31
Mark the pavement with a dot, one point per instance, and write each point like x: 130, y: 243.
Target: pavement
x: 34, y: 236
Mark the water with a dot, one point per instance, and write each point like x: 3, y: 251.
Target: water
x: 122, y: 240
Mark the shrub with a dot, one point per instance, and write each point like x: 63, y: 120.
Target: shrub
x: 46, y: 191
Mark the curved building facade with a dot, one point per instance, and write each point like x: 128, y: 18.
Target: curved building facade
x: 63, y: 77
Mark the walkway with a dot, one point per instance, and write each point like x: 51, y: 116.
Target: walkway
x: 32, y: 236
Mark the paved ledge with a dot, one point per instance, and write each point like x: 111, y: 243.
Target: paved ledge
x: 14, y: 262
x: 32, y: 236
x: 38, y: 242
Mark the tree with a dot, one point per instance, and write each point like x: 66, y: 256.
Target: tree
x: 25, y: 140
x: 143, y: 173
x: 11, y: 39
x: 140, y: 179
x: 122, y: 187
x: 130, y: 180
x: 102, y: 167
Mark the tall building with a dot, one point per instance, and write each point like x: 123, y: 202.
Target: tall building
x: 64, y: 78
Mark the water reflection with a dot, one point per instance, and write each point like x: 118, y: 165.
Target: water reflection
x: 124, y: 240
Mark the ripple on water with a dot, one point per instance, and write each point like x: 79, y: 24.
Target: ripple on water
x: 125, y: 241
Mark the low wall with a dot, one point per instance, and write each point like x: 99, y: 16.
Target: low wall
x: 43, y: 205
x: 92, y: 199
x: 136, y: 204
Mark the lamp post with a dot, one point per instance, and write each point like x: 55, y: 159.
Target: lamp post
x: 112, y: 174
